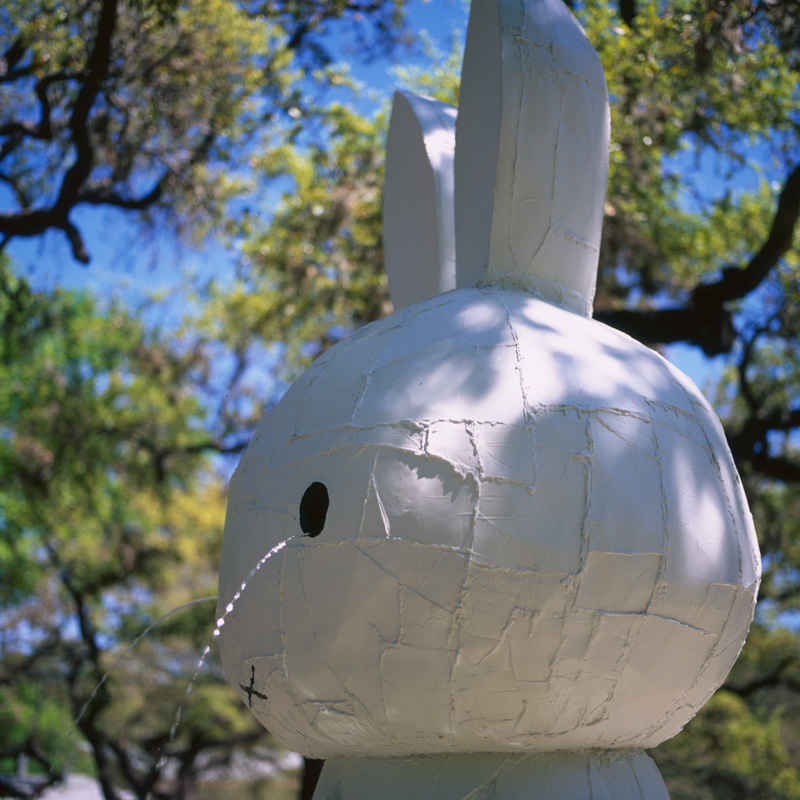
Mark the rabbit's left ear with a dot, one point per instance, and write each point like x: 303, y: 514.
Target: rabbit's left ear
x: 418, y: 218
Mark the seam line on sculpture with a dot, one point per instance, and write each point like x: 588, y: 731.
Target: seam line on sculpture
x: 680, y: 702
x: 680, y: 412
x: 365, y: 504
x: 352, y: 699
x: 419, y: 426
x: 510, y: 32
x: 709, y: 657
x: 631, y: 761
x: 573, y: 237
x: 728, y: 500
x: 515, y: 170
x: 394, y: 577
x: 622, y: 661
x: 586, y: 527
x: 454, y: 636
x: 385, y: 644
x: 282, y: 616
x: 525, y: 405
x: 387, y: 525
x: 374, y: 356
x: 572, y: 73
x: 602, y: 422
x: 477, y: 792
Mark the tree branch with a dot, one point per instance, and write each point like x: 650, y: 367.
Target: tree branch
x: 105, y: 195
x: 712, y: 330
x: 627, y: 10
x: 9, y: 60
x: 86, y: 723
x: 22, y: 199
x: 745, y: 387
x: 705, y: 320
x: 772, y: 678
x: 780, y: 419
x: 736, y: 283
x: 778, y: 468
x: 43, y: 129
x: 32, y: 222
x: 76, y: 241
x: 96, y: 72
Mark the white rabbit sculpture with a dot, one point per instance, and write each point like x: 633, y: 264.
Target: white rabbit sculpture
x: 517, y: 549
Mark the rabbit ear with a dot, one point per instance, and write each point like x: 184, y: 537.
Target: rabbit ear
x: 418, y: 222
x: 532, y: 152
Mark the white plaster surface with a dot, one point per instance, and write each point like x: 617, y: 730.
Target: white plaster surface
x: 562, y: 776
x: 532, y: 152
x: 536, y: 540
x: 418, y: 219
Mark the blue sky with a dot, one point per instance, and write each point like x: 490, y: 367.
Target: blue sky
x: 125, y: 263
x: 129, y: 266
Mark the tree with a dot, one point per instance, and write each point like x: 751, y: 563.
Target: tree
x: 146, y: 105
x: 111, y: 515
x: 111, y: 509
x: 702, y: 211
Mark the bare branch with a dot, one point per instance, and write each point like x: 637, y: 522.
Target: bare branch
x: 772, y: 678
x: 9, y: 60
x: 43, y: 130
x: 712, y: 329
x: 20, y: 195
x: 75, y: 241
x: 96, y: 72
x: 736, y: 283
x: 29, y: 222
x: 32, y: 222
x: 19, y: 129
x: 745, y: 387
x: 777, y: 468
x: 627, y: 10
x: 104, y: 195
x: 705, y: 320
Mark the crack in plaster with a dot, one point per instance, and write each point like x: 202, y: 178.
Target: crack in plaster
x: 320, y: 704
x: 660, y: 583
x: 724, y: 488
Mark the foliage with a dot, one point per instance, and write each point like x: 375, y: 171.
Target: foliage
x: 146, y: 105
x: 111, y: 510
x: 730, y: 750
x: 110, y: 517
x: 318, y: 265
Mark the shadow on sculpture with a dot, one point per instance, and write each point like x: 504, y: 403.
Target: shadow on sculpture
x: 535, y: 558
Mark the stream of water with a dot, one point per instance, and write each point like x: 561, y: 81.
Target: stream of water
x: 220, y: 623
x: 201, y: 661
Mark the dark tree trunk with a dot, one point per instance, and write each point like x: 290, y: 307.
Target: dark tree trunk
x: 311, y: 770
x: 627, y: 10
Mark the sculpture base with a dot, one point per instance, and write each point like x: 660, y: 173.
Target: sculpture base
x: 586, y: 775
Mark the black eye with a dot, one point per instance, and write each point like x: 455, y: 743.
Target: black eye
x: 314, y: 509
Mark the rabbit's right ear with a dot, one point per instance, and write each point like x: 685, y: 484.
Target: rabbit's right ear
x: 418, y: 219
x: 532, y: 152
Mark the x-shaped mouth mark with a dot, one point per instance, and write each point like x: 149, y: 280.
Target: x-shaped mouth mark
x: 250, y: 690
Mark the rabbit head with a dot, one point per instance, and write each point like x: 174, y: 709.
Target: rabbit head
x: 510, y: 528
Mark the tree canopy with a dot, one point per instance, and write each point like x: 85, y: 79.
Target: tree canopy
x: 111, y: 483
x: 147, y: 106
